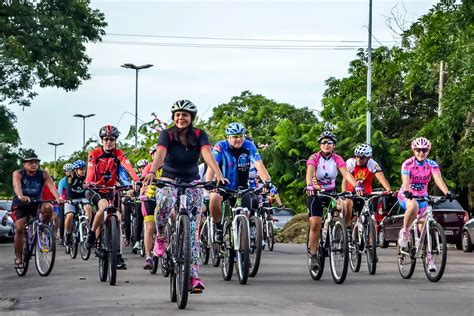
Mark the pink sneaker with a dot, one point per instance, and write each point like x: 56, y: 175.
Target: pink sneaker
x: 403, y: 237
x: 160, y: 246
x: 196, y: 286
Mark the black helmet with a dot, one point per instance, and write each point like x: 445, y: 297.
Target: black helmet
x: 109, y: 130
x: 327, y: 134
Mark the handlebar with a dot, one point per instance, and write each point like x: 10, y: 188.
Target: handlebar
x: 110, y: 188
x: 345, y: 194
x: 432, y: 200
x: 208, y: 185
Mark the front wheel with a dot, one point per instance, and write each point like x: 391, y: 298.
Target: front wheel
x: 45, y: 250
x: 84, y: 231
x: 183, y: 261
x: 255, y: 245
x: 227, y: 264
x: 371, y: 247
x: 113, y: 248
x: 243, y: 251
x: 75, y: 240
x: 338, y: 250
x: 204, y: 242
x: 438, y: 253
x: 25, y: 256
x: 354, y: 249
x: 270, y: 236
x: 382, y: 240
x: 406, y: 259
x: 103, y: 257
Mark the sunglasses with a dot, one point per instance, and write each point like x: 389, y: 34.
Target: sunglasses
x: 81, y: 169
x: 108, y: 139
x: 361, y: 157
x: 422, y: 150
x: 326, y: 142
x: 237, y: 136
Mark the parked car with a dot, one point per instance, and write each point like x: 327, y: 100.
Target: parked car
x: 6, y: 221
x: 450, y: 215
x: 281, y: 216
x: 468, y: 236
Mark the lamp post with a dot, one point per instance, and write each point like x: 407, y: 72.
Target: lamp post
x: 83, y: 128
x: 55, y: 146
x: 136, y: 68
x: 369, y: 78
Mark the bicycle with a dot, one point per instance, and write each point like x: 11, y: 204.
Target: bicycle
x: 107, y: 245
x: 80, y: 229
x: 364, y: 237
x: 39, y: 242
x: 265, y: 212
x: 333, y: 239
x: 177, y: 260
x: 423, y: 245
x: 209, y: 247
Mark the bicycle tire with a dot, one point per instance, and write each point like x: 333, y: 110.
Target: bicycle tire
x: 21, y: 271
x: 255, y: 245
x: 113, y: 248
x: 75, y: 239
x: 406, y: 260
x: 154, y: 267
x: 227, y: 264
x: 270, y: 236
x: 438, y: 248
x: 355, y: 257
x: 316, y: 275
x: 338, y: 244
x: 173, y: 296
x: 243, y: 254
x: 371, y: 247
x: 183, y: 261
x: 204, y: 242
x: 103, y: 257
x: 84, y: 251
x: 45, y: 252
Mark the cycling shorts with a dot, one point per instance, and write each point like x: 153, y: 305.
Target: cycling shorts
x: 148, y: 211
x: 422, y: 206
x: 97, y: 196
x: 71, y: 208
x: 316, y: 204
x: 20, y: 211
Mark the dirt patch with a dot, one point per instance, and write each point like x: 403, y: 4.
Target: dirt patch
x: 7, y: 303
x: 295, y: 230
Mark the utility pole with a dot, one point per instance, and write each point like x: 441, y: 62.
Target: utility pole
x: 55, y: 146
x: 369, y: 78
x: 441, y: 86
x: 83, y: 128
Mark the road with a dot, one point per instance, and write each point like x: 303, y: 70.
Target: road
x: 282, y: 287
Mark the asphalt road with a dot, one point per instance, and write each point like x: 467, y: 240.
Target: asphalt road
x: 282, y: 287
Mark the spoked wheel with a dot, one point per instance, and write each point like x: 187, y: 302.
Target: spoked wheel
x: 84, y: 227
x: 243, y: 253
x: 165, y: 269
x: 371, y: 246
x: 154, y: 268
x: 215, y: 254
x: 25, y: 257
x: 183, y: 261
x: 142, y: 246
x: 103, y: 257
x: 317, y: 274
x: 75, y: 240
x: 338, y: 250
x: 114, y: 246
x: 406, y: 260
x: 270, y: 236
x: 165, y: 261
x: 173, y: 296
x: 438, y: 253
x: 227, y: 264
x: 204, y: 242
x: 255, y: 244
x: 354, y: 249
x: 45, y: 250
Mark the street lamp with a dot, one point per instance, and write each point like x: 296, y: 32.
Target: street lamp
x: 55, y: 146
x: 137, y: 68
x: 83, y: 128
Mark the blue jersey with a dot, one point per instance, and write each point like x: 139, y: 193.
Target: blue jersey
x: 123, y: 176
x: 235, y: 162
x: 63, y: 187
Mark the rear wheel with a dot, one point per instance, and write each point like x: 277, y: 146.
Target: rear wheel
x: 255, y: 244
x: 183, y: 261
x: 45, y: 249
x: 243, y: 253
x: 154, y: 268
x: 270, y: 236
x: 466, y: 242
x: 204, y: 241
x: 25, y: 256
x: 114, y: 246
x: 338, y: 250
x: 383, y: 243
x: 438, y: 253
x: 75, y: 239
x: 406, y: 259
x: 371, y: 247
x: 354, y: 249
x: 227, y: 264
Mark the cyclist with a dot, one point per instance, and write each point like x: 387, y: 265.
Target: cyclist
x: 416, y: 174
x: 62, y: 189
x: 321, y: 173
x: 102, y: 169
x: 234, y: 156
x: 28, y: 184
x: 179, y: 149
x: 141, y: 164
x: 75, y: 193
x: 363, y: 168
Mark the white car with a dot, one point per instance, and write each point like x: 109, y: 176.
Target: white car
x: 6, y: 221
x: 281, y: 216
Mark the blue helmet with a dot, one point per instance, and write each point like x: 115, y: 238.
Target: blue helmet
x: 235, y: 128
x: 78, y: 164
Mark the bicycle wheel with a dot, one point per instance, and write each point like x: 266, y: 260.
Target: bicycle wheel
x: 183, y: 261
x: 255, y: 244
x: 154, y: 268
x: 406, y: 259
x: 215, y: 254
x: 84, y: 231
x: 438, y: 252
x: 113, y: 248
x: 173, y: 295
x: 317, y: 274
x: 45, y: 249
x: 270, y: 236
x: 243, y: 253
x: 25, y: 256
x: 371, y: 246
x: 103, y: 257
x: 227, y: 264
x: 75, y: 239
x: 354, y: 249
x: 204, y: 242
x: 338, y: 250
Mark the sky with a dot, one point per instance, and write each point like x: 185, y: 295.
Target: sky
x: 207, y: 52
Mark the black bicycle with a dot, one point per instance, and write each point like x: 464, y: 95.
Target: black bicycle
x: 80, y: 229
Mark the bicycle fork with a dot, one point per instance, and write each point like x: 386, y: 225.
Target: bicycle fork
x: 235, y: 233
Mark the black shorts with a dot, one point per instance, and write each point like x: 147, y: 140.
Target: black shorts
x: 21, y: 211
x: 149, y: 215
x: 95, y: 197
x: 316, y: 204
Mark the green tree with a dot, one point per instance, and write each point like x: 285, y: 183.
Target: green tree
x: 9, y: 159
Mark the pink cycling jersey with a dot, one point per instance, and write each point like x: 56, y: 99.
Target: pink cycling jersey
x: 420, y: 174
x: 327, y: 169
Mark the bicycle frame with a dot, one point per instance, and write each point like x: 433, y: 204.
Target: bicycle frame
x: 427, y: 218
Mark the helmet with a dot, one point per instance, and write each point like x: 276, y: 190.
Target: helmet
x: 68, y: 167
x: 186, y: 106
x: 109, y: 130
x: 327, y: 134
x: 420, y: 142
x: 78, y: 164
x: 363, y: 150
x: 235, y: 128
x: 153, y: 149
x: 142, y: 163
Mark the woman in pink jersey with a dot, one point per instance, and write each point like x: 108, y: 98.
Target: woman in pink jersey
x: 322, y: 170
x: 416, y: 174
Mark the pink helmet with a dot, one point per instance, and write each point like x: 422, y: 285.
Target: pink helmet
x: 420, y: 142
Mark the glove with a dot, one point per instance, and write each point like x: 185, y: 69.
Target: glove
x: 449, y: 196
x: 408, y: 194
x: 268, y: 184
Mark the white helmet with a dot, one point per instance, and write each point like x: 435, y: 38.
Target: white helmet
x: 420, y: 142
x: 153, y: 149
x: 363, y: 150
x: 142, y: 163
x: 68, y: 167
x: 186, y: 106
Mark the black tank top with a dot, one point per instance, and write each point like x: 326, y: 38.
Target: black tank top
x: 75, y: 189
x: 31, y: 186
